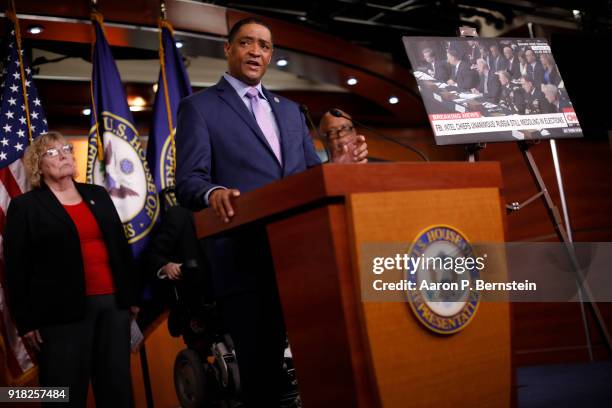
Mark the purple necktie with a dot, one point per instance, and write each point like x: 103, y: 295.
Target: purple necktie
x: 265, y: 122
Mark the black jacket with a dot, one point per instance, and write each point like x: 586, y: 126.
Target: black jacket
x: 44, y: 263
x: 465, y: 78
x: 493, y: 87
x: 175, y: 240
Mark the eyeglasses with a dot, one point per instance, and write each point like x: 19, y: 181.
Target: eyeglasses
x: 341, y: 131
x: 54, y: 151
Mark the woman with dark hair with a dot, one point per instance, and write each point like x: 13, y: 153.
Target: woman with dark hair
x: 70, y: 278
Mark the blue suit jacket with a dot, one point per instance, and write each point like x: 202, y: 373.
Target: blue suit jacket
x: 218, y: 143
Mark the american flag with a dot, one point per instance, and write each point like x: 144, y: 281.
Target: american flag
x: 14, y: 138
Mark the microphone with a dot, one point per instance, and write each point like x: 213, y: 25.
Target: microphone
x: 338, y: 113
x: 311, y: 125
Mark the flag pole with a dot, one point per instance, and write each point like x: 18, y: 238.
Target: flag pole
x: 97, y: 17
x: 164, y: 23
x: 12, y: 15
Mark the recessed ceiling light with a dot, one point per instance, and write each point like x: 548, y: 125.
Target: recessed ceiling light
x: 86, y: 111
x: 282, y: 62
x: 35, y: 29
x: 179, y: 44
x: 393, y: 100
x: 351, y: 81
x: 155, y: 86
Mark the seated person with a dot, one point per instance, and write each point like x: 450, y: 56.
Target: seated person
x: 551, y: 73
x: 489, y: 86
x: 535, y: 71
x: 554, y: 101
x: 512, y: 63
x: 175, y: 254
x: 511, y: 97
x: 534, y: 98
x: 435, y: 67
x: 496, y: 61
x: 522, y: 64
x: 474, y: 52
x: 461, y: 75
x: 339, y: 135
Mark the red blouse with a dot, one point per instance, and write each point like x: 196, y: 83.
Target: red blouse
x: 98, y: 276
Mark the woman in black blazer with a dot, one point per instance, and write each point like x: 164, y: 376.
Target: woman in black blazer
x: 71, y: 278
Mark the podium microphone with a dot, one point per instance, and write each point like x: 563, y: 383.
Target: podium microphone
x: 338, y: 113
x: 311, y: 125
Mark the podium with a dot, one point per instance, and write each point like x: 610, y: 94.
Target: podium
x: 353, y: 353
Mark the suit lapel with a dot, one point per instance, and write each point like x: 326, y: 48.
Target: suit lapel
x: 228, y: 94
x: 46, y: 197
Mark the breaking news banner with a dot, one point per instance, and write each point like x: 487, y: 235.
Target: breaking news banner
x: 491, y: 89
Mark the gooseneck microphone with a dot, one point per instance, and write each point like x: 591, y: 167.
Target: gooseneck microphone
x: 311, y: 125
x: 338, y: 113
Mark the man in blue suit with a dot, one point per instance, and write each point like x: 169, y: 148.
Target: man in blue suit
x: 234, y: 137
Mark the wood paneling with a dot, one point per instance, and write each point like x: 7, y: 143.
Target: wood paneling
x: 338, y: 180
x: 398, y: 341
x: 351, y: 353
x: 311, y: 274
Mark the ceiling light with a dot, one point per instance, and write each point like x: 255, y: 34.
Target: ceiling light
x: 86, y: 111
x: 155, y: 86
x: 351, y: 81
x: 35, y: 29
x: 179, y: 44
x: 137, y: 103
x: 393, y: 100
x: 282, y: 62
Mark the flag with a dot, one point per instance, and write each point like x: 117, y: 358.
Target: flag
x: 172, y: 86
x: 21, y: 119
x: 116, y: 159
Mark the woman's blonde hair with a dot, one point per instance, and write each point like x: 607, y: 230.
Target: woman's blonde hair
x: 34, y: 154
x: 549, y: 58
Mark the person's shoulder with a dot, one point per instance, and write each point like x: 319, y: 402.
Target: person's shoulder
x: 24, y: 199
x: 92, y: 191
x: 281, y: 100
x: 95, y: 188
x: 200, y: 96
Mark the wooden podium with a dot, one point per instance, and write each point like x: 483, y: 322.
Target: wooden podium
x: 350, y: 353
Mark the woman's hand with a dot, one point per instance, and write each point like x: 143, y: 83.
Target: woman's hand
x: 33, y: 339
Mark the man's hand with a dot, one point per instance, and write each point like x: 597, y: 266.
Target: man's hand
x: 172, y: 270
x: 33, y: 339
x: 451, y: 82
x: 220, y: 201
x: 343, y: 150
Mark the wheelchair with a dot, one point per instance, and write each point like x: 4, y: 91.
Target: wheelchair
x: 206, y: 373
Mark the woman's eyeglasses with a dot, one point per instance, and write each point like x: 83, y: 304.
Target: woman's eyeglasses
x: 342, y: 131
x: 54, y: 151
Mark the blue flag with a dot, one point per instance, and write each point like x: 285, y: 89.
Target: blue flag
x: 116, y: 159
x: 172, y: 86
